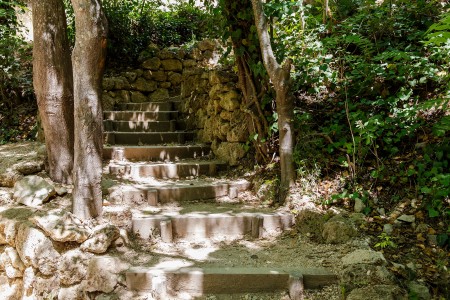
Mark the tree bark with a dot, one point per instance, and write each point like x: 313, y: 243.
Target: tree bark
x: 280, y: 77
x: 53, y: 86
x: 88, y: 61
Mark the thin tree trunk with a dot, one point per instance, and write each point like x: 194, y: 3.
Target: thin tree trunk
x: 88, y: 60
x: 280, y: 77
x: 53, y: 85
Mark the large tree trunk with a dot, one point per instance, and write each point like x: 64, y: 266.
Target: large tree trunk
x: 280, y: 77
x: 88, y: 60
x: 53, y: 85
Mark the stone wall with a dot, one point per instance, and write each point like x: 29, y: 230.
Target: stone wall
x: 50, y: 254
x: 209, y: 98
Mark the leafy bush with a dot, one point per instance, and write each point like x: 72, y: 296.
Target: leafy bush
x: 15, y: 76
x: 134, y: 24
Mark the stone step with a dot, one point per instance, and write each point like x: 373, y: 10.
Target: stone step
x: 147, y: 138
x: 166, y: 170
x: 180, y: 191
x: 141, y: 126
x: 182, y: 282
x: 140, y: 116
x: 205, y: 225
x: 147, y: 106
x: 152, y: 153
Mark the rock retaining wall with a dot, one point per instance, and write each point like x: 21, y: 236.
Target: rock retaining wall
x: 50, y: 254
x: 209, y: 98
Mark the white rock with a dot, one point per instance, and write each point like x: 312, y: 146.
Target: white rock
x: 36, y: 250
x: 364, y: 257
x: 33, y: 191
x: 46, y: 287
x: 72, y: 267
x: 101, y: 238
x: 103, y: 274
x: 62, y: 226
x: 12, y: 263
x: 74, y: 292
x: 10, y: 289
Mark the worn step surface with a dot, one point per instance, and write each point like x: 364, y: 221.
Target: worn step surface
x: 178, y: 191
x: 147, y: 138
x: 158, y: 153
x: 140, y: 116
x: 172, y: 170
x: 179, y: 282
x: 141, y: 126
x: 204, y: 225
x: 149, y: 106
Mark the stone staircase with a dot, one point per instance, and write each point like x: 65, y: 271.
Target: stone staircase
x: 175, y: 192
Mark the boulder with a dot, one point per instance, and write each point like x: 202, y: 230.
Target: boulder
x: 230, y: 100
x: 138, y: 97
x: 35, y: 249
x: 131, y: 76
x: 156, y: 75
x: 101, y: 238
x: 220, y: 76
x: 104, y: 274
x: 358, y: 275
x: 359, y: 205
x: 120, y: 83
x: 338, y: 230
x: 152, y: 64
x: 174, y: 78
x: 143, y: 85
x: 168, y: 53
x: 230, y: 152
x: 361, y: 256
x: 189, y: 63
x: 62, y: 226
x: 172, y: 65
x: 33, y: 191
x: 159, y: 95
x: 29, y: 167
x: 119, y: 216
x: 72, y: 267
x: 108, y: 84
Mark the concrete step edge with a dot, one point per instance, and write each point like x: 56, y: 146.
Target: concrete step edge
x: 200, y: 281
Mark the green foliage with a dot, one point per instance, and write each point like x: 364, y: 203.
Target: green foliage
x: 15, y: 58
x: 432, y: 172
x: 385, y: 241
x: 134, y: 24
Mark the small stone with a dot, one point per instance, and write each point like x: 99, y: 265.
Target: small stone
x: 152, y: 64
x: 62, y: 226
x: 388, y: 228
x: 338, y: 230
x: 361, y: 256
x: 143, y: 85
x: 418, y: 291
x: 359, y: 205
x: 73, y: 266
x: 33, y: 191
x: 159, y: 94
x: 101, y: 238
x: 421, y: 228
x: 29, y: 167
x: 61, y: 191
x: 103, y: 274
x: 432, y: 239
x: 377, y: 292
x: 138, y: 97
x: 407, y: 218
x: 35, y: 249
x: 172, y: 65
x: 381, y: 211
